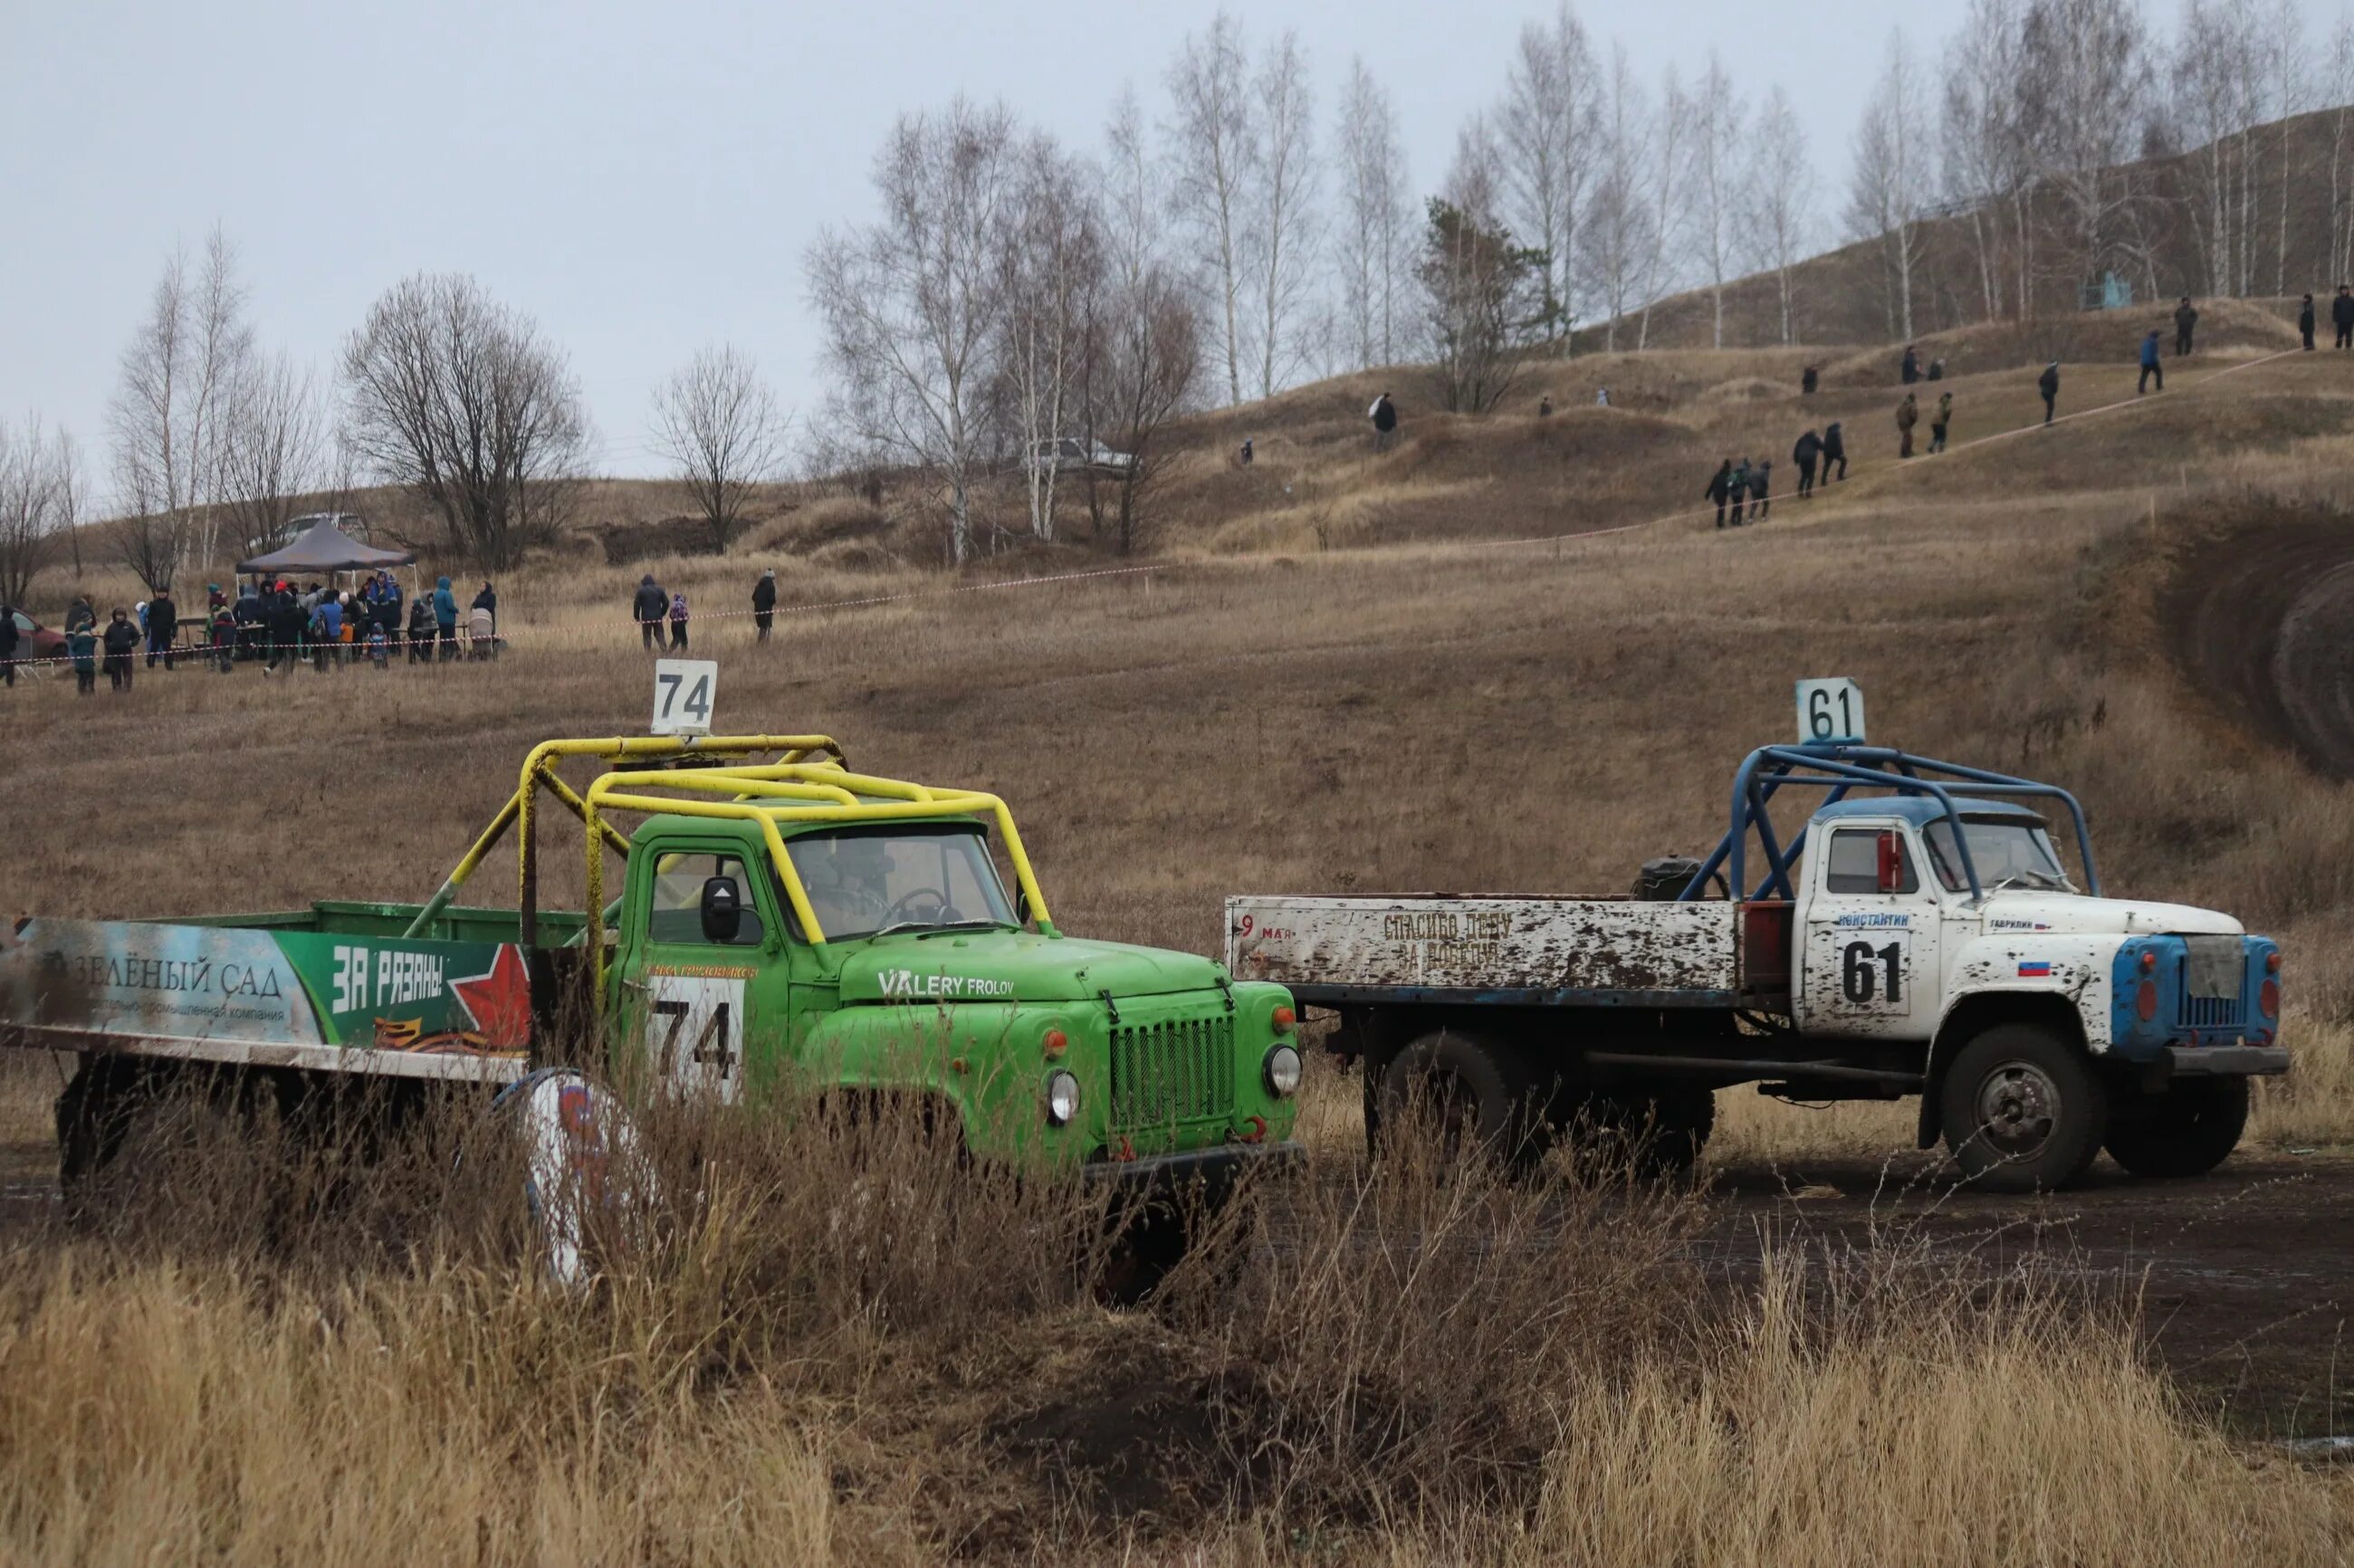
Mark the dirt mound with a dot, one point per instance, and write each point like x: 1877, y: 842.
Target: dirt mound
x: 2260, y: 617
x: 2227, y: 326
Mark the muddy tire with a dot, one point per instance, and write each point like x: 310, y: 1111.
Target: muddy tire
x: 2188, y: 1130
x: 94, y: 1112
x: 2022, y: 1110
x: 1647, y: 1134
x: 1472, y: 1091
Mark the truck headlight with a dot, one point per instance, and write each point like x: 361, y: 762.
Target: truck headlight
x: 1061, y: 1100
x: 1281, y: 1071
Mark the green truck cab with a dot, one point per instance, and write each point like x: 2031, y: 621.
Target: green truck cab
x: 786, y: 923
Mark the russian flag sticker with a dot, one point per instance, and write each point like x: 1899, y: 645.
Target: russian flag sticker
x: 2035, y: 972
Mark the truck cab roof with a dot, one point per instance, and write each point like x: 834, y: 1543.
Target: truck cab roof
x: 1922, y: 810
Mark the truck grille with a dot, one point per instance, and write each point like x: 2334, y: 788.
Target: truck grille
x: 1180, y: 1070
x: 2210, y: 1012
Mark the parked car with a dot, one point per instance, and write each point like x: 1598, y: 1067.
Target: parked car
x: 1072, y: 455
x: 35, y: 640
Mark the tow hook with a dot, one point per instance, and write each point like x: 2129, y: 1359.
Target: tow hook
x: 1256, y: 1133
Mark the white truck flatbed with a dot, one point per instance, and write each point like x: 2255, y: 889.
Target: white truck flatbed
x: 1529, y: 951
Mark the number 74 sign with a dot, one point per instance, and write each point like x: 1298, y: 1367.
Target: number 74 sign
x: 683, y: 690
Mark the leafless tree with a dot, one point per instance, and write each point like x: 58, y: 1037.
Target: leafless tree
x: 1550, y: 118
x: 2216, y: 77
x: 2083, y: 95
x: 1217, y: 156
x: 1986, y: 168
x: 1483, y: 289
x: 462, y: 399
x: 2337, y: 260
x: 913, y: 304
x: 1054, y: 253
x: 272, y: 451
x: 31, y: 479
x: 1671, y: 154
x: 1286, y: 230
x: 1885, y: 184
x: 72, y: 487
x: 719, y: 423
x: 1373, y: 226
x: 1719, y: 123
x: 1781, y: 221
x: 167, y: 412
x: 1616, y: 233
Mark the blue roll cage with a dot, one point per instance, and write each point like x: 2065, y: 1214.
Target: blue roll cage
x: 1838, y: 769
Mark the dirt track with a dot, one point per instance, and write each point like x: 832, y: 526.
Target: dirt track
x: 2262, y: 620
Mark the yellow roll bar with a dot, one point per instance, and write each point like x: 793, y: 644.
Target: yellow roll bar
x: 787, y: 792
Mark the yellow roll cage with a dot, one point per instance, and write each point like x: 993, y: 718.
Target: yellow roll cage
x: 810, y: 782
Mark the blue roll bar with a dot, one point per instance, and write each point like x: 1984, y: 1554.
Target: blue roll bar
x: 1838, y: 769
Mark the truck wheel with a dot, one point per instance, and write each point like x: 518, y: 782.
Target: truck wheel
x: 2188, y: 1130
x: 1473, y: 1090
x: 2022, y: 1110
x: 1647, y: 1134
x: 94, y: 1111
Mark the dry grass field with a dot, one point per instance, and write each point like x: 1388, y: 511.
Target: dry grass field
x: 1343, y: 674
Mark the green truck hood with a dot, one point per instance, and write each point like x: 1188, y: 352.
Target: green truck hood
x: 1015, y: 966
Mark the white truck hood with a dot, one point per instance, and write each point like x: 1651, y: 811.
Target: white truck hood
x: 2021, y: 910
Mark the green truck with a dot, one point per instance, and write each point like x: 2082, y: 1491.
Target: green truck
x: 775, y: 921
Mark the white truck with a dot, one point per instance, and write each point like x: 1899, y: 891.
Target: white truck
x: 1918, y: 934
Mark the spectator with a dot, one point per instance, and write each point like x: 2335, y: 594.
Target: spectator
x: 1937, y: 370
x: 1806, y: 454
x: 122, y: 641
x: 2150, y: 365
x: 379, y: 645
x: 163, y: 628
x: 2048, y: 384
x: 7, y: 643
x: 326, y: 633
x: 1738, y: 486
x: 1602, y: 396
x: 81, y: 612
x: 2304, y: 322
x: 445, y: 618
x: 287, y: 621
x: 1720, y: 488
x: 1939, y: 420
x: 420, y: 629
x: 1544, y: 406
x: 488, y: 599
x: 481, y: 631
x: 81, y: 643
x: 250, y: 620
x: 678, y: 622
x: 224, y: 635
x: 1761, y: 490
x: 1812, y: 378
x: 1910, y: 371
x: 2185, y: 318
x: 1243, y: 454
x: 764, y: 592
x: 2341, y: 316
x: 1834, y: 451
x: 1383, y: 414
x: 1908, y: 414
x: 646, y: 609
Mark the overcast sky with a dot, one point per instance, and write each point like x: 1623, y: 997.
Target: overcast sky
x: 643, y: 178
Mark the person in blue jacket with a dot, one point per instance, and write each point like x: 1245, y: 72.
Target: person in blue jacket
x: 445, y: 617
x: 2150, y: 365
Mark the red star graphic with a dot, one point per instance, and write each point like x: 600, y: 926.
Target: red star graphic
x: 499, y: 1000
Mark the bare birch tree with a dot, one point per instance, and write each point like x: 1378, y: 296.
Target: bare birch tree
x: 1054, y: 252
x: 1614, y: 236
x: 1550, y: 122
x: 1719, y: 122
x: 2337, y: 258
x: 2086, y: 79
x: 462, y: 401
x: 167, y: 411
x: 1216, y: 158
x: 1670, y: 154
x: 912, y: 305
x: 1373, y: 215
x: 71, y: 488
x: 1286, y: 231
x: 1885, y: 183
x: 1782, y: 223
x: 272, y: 451
x: 1984, y: 165
x: 31, y: 484
x: 719, y: 425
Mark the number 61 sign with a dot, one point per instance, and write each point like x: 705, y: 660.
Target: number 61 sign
x: 683, y: 689
x: 1830, y: 712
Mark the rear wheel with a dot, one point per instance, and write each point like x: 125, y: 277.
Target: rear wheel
x: 1470, y: 1091
x: 2021, y: 1109
x: 1647, y: 1133
x: 2187, y: 1131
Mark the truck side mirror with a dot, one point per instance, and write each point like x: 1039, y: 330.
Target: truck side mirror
x: 1892, y: 861
x: 723, y: 909
x: 1021, y: 906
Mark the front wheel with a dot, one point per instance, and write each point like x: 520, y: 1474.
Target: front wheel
x: 1470, y: 1091
x: 2188, y: 1130
x: 2022, y: 1110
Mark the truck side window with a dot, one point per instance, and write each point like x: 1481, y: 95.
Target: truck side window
x: 1854, y: 863
x: 674, y: 913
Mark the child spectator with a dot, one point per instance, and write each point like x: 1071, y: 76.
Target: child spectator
x: 379, y: 646
x: 678, y: 621
x: 82, y: 643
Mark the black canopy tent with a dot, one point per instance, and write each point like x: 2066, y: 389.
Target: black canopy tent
x: 323, y: 548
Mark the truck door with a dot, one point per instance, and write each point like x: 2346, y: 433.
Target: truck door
x: 692, y: 972
x: 1870, y: 961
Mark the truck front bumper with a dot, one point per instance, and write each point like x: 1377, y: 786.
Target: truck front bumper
x: 1202, y: 1174
x: 2225, y: 1061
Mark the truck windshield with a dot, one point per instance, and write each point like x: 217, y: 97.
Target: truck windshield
x: 2007, y: 852
x: 864, y: 881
